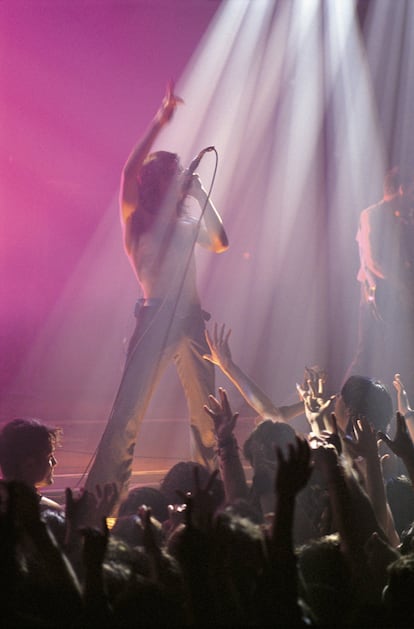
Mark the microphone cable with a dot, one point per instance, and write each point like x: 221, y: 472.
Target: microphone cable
x: 160, y: 308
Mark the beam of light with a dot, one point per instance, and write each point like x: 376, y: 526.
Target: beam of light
x: 286, y: 98
x: 390, y: 51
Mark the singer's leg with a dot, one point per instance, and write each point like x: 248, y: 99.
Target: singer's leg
x: 147, y: 358
x: 197, y: 378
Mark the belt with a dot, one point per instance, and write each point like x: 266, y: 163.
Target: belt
x: 149, y: 301
x: 155, y: 302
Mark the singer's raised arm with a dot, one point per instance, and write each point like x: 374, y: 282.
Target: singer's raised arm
x: 129, y: 179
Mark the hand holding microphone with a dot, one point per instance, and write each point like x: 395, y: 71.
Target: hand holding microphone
x: 194, y: 164
x: 196, y: 161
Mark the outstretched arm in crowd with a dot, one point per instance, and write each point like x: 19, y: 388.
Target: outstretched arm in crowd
x: 293, y: 473
x: 278, y: 595
x: 363, y: 541
x: 220, y: 355
x: 88, y: 510
x: 404, y: 406
x: 365, y: 445
x: 352, y: 510
x: 192, y: 545
x: 231, y: 468
x: 402, y: 445
x: 95, y: 543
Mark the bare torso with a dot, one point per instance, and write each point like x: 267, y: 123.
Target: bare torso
x: 162, y: 257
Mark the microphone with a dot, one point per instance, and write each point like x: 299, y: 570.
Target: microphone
x: 196, y: 161
x: 189, y: 172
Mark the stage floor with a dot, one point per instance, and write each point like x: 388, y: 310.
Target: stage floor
x: 162, y: 443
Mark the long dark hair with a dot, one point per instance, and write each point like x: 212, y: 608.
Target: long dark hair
x: 155, y: 175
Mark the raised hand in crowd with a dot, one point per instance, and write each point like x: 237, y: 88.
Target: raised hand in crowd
x: 402, y: 398
x: 317, y: 406
x: 95, y: 544
x: 161, y: 570
x: 295, y: 469
x: 86, y: 510
x: 364, y: 442
x: 200, y: 504
x: 315, y: 378
x: 223, y: 417
x: 293, y: 473
x: 230, y: 464
x: 220, y: 355
x: 328, y: 436
x: 90, y: 509
x: 365, y: 445
x: 192, y: 545
x: 402, y: 444
x: 357, y: 524
x: 77, y: 510
x: 150, y: 537
x: 352, y: 509
x: 218, y: 343
x: 279, y: 590
x: 403, y: 403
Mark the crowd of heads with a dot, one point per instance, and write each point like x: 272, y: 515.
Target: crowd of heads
x: 190, y: 553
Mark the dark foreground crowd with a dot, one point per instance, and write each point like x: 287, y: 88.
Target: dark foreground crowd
x: 321, y: 536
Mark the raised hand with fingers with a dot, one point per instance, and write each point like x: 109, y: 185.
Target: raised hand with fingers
x: 327, y: 436
x: 219, y: 347
x: 223, y: 417
x: 200, y: 502
x: 231, y: 468
x: 292, y: 475
x: 169, y: 104
x: 220, y: 355
x: 402, y: 444
x: 325, y: 458
x: 78, y: 507
x: 77, y: 510
x: 95, y: 543
x: 295, y: 469
x: 130, y: 200
x: 403, y: 402
x: 317, y: 407
x: 364, y: 442
x: 315, y: 378
x: 149, y: 531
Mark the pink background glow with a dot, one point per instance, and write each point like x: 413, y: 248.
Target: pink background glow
x: 79, y: 82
